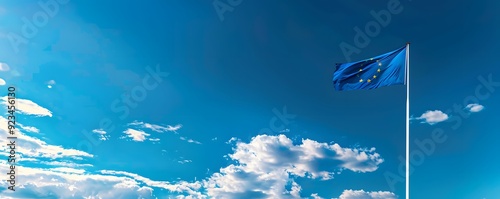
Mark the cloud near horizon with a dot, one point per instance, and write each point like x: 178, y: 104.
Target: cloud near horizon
x: 268, y: 164
x: 265, y: 167
x: 274, y: 160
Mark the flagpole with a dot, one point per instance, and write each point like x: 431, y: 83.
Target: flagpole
x: 407, y: 120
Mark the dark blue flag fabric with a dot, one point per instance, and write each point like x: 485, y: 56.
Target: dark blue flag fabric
x: 383, y: 70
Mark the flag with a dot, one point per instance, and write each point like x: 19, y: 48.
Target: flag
x: 392, y: 68
x: 383, y: 70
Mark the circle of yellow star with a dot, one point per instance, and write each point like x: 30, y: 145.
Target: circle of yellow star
x: 361, y: 80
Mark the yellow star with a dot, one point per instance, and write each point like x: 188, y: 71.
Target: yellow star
x: 361, y: 80
x: 360, y: 70
x: 380, y: 64
x: 374, y: 76
x: 369, y: 80
x: 378, y: 71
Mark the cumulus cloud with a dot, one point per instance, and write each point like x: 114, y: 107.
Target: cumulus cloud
x: 155, y: 127
x: 474, y: 108
x: 361, y: 194
x: 2, y: 82
x: 28, y: 107
x: 265, y: 167
x: 267, y: 164
x: 4, y: 67
x: 433, y: 117
x: 136, y: 135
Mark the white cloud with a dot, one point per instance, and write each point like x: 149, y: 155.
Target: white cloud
x: 285, y: 131
x: 136, y: 135
x: 4, y: 67
x: 474, y: 108
x: 2, y: 82
x: 102, y: 134
x: 155, y: 127
x: 315, y: 196
x: 179, y: 187
x: 33, y: 147
x: 361, y: 194
x: 68, y: 170
x: 28, y: 107
x: 433, y: 117
x: 51, y: 83
x: 184, y: 161
x: 99, y: 131
x: 174, y: 128
x: 66, y: 180
x: 64, y: 164
x: 29, y: 128
x: 190, y: 140
x: 268, y: 163
x: 233, y: 139
x: 264, y: 168
x: 161, y: 129
x: 76, y: 183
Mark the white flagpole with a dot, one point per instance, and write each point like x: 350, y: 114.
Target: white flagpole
x: 407, y: 63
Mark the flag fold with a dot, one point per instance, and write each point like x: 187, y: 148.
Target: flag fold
x: 384, y: 70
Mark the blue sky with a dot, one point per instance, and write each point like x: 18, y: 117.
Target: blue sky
x: 182, y: 100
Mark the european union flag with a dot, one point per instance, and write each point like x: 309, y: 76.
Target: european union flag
x: 383, y: 70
